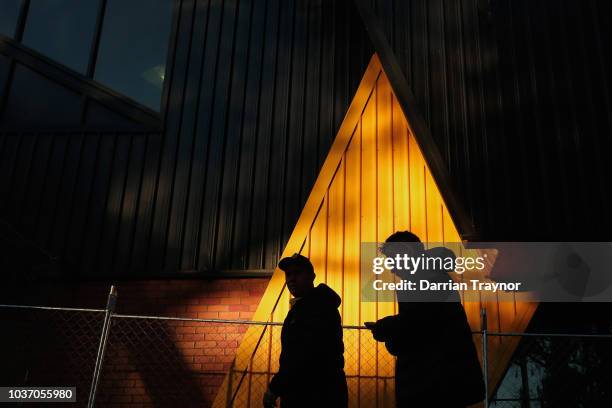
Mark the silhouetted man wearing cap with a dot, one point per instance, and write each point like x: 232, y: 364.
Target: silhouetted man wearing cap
x: 311, y: 372
x: 437, y: 364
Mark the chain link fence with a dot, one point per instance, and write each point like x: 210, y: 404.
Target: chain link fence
x: 557, y: 370
x: 117, y: 360
x: 50, y: 347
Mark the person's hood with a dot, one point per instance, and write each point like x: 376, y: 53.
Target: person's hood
x: 323, y: 295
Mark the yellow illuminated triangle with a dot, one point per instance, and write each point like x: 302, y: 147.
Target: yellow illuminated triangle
x: 374, y: 181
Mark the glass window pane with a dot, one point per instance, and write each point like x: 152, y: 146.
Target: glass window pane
x: 62, y: 30
x: 133, y: 48
x: 9, y: 13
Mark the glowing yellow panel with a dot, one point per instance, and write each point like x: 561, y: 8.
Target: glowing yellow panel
x: 374, y: 181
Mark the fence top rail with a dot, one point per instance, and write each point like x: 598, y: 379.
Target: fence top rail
x: 196, y: 319
x: 583, y: 335
x: 263, y: 323
x: 227, y: 321
x: 68, y: 309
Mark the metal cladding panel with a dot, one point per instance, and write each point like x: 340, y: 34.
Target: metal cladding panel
x: 517, y: 97
x: 255, y: 92
x: 77, y: 199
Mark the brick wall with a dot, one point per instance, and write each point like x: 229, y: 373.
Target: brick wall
x: 148, y: 362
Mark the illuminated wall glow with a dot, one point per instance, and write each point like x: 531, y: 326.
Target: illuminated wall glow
x: 374, y: 181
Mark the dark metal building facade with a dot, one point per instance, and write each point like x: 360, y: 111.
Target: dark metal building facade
x: 515, y: 94
x: 517, y: 97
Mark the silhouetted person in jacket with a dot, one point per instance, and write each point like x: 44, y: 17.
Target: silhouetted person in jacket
x: 311, y: 371
x: 437, y: 364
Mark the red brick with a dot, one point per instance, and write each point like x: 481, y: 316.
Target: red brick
x: 234, y: 336
x: 219, y: 308
x: 224, y: 358
x: 212, y: 366
x: 250, y: 300
x: 226, y: 344
x: 197, y: 308
x: 141, y: 398
x: 214, y: 336
x: 206, y: 344
x: 185, y: 330
x: 229, y: 315
x: 190, y: 315
x: 206, y: 359
x: 229, y: 351
x: 121, y: 398
x: 193, y: 352
x: 213, y: 351
x: 230, y: 301
x: 239, y: 293
x: 193, y: 337
x: 208, y: 315
x: 135, y: 391
x: 205, y: 300
x: 218, y: 294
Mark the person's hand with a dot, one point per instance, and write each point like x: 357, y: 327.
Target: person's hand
x: 269, y: 399
x: 373, y: 327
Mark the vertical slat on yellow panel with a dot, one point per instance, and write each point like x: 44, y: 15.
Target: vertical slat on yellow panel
x: 434, y: 210
x: 401, y: 199
x: 306, y: 247
x: 524, y: 312
x: 493, y: 314
x: 450, y: 231
x: 417, y: 190
x: 260, y: 367
x: 335, y: 232
x: 384, y: 142
x: 401, y: 172
x: 279, y: 314
x: 318, y: 243
x: 510, y: 321
x: 385, y: 217
x: 250, y: 340
x: 491, y: 306
x: 352, y: 294
x: 472, y: 310
x: 451, y: 240
x: 367, y: 350
x: 240, y: 395
x: 507, y: 312
x: 257, y: 389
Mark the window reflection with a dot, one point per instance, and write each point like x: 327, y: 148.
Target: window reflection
x: 133, y: 48
x: 62, y: 29
x: 9, y: 13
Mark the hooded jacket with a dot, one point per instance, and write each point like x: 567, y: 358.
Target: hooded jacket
x: 311, y: 370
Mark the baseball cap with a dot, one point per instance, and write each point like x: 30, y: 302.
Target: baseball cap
x: 296, y: 260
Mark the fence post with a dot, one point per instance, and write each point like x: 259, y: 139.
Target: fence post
x: 485, y: 360
x: 110, y: 308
